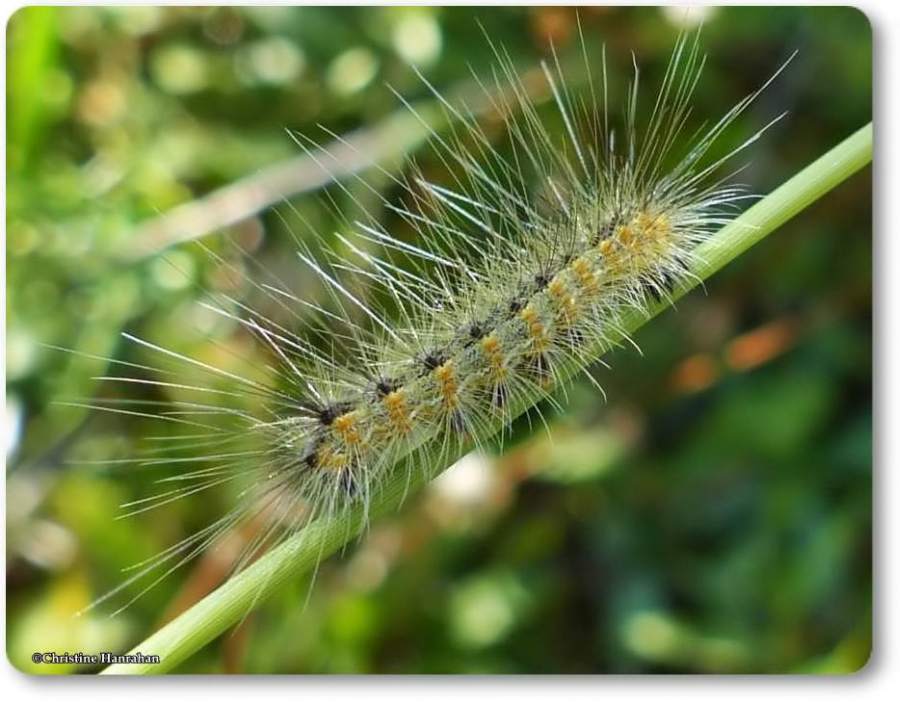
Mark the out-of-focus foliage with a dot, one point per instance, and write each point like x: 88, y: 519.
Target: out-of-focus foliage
x: 713, y: 515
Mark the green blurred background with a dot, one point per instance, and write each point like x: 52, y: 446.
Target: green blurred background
x: 714, y: 515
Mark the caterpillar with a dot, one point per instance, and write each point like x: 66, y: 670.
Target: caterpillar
x: 524, y: 261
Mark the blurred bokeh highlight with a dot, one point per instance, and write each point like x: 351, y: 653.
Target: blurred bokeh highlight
x: 712, y: 515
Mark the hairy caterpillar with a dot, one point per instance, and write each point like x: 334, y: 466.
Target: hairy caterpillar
x: 522, y: 265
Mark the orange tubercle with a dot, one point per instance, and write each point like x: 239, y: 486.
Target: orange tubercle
x: 585, y: 274
x: 346, y: 426
x: 490, y: 345
x: 446, y: 376
x: 566, y: 302
x: 625, y: 235
x: 332, y: 460
x: 536, y: 329
x: 398, y: 411
x: 654, y: 226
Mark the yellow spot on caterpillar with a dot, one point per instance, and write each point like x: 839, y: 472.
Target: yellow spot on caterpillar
x: 536, y: 329
x: 398, y: 411
x: 490, y: 345
x: 560, y: 295
x: 556, y: 288
x: 446, y: 376
x: 653, y: 226
x: 346, y: 427
x: 641, y: 242
x: 332, y: 460
x: 585, y: 274
x: 529, y: 316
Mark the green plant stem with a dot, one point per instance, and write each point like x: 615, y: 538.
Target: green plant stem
x: 228, y: 604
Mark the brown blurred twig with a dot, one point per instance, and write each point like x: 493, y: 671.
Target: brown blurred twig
x: 385, y: 144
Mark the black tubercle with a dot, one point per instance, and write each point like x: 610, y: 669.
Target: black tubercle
x: 310, y: 456
x: 605, y: 230
x: 434, y: 359
x: 476, y: 331
x: 471, y: 333
x: 311, y: 460
x: 541, y: 281
x: 326, y: 414
x: 385, y: 386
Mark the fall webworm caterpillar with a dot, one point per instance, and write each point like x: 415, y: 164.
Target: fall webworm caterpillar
x: 520, y: 266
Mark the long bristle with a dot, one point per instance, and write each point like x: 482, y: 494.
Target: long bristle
x: 521, y: 265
